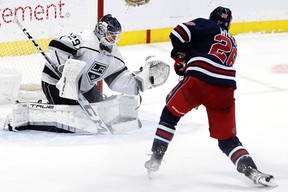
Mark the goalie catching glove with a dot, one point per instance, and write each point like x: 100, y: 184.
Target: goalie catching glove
x: 154, y: 73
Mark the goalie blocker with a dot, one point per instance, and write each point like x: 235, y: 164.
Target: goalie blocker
x: 118, y: 111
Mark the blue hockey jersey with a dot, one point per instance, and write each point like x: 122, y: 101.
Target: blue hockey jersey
x: 210, y: 51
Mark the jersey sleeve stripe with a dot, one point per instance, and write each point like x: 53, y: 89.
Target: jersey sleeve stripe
x: 49, y: 76
x: 109, y: 80
x: 178, y: 36
x: 182, y: 33
x: 188, y: 33
x: 60, y: 45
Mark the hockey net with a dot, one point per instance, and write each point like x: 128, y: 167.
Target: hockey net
x: 21, y: 64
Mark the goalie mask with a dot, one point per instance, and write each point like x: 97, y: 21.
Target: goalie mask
x: 108, y: 31
x: 222, y: 16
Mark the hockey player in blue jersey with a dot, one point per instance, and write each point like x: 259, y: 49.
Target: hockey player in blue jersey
x: 204, y: 53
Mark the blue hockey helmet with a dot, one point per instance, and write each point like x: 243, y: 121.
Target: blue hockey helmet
x: 222, y: 16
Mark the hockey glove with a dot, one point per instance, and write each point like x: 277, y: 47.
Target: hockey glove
x: 154, y: 73
x: 180, y: 63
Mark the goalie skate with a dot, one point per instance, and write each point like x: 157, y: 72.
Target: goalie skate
x: 260, y: 178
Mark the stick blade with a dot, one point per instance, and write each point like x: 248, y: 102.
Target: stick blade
x: 17, y: 21
x: 150, y: 174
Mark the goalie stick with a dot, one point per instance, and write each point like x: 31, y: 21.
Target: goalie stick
x: 83, y: 102
x: 16, y: 20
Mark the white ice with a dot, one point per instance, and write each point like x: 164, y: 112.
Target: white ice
x: 50, y: 162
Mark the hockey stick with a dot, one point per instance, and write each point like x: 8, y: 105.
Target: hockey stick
x: 16, y: 20
x: 83, y: 102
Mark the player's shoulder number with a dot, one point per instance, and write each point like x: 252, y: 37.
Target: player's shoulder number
x: 75, y: 39
x: 224, y: 50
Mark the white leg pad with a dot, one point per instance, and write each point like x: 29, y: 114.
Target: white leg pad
x: 67, y: 117
x: 118, y: 111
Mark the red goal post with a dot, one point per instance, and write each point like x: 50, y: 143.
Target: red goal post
x: 100, y: 14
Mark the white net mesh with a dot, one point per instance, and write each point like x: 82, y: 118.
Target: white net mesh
x: 9, y: 85
x: 30, y: 66
x: 28, y: 62
x: 43, y: 20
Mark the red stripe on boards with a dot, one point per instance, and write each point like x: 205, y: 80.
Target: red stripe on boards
x: 148, y: 36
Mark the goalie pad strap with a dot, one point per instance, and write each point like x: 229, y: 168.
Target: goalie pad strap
x: 47, y: 128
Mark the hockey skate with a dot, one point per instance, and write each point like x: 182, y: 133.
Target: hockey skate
x: 154, y: 163
x: 259, y: 178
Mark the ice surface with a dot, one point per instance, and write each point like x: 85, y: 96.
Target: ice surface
x: 49, y: 162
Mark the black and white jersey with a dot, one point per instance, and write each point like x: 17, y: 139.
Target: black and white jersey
x: 100, y: 65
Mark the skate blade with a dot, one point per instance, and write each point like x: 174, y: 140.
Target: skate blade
x: 270, y: 183
x: 150, y: 174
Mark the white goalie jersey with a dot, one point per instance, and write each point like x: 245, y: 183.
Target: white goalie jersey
x: 100, y: 65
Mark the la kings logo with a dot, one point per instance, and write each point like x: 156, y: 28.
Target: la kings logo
x: 96, y: 71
